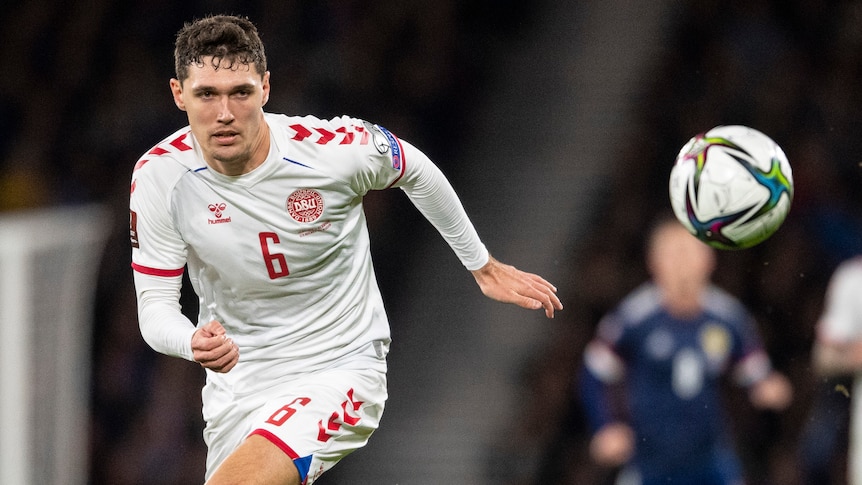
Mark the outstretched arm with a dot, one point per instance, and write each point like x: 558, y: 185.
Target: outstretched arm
x: 433, y: 195
x: 505, y: 283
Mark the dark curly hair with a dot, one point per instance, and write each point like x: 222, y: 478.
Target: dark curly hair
x: 230, y: 40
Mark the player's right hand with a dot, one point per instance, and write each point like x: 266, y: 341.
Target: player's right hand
x: 213, y: 349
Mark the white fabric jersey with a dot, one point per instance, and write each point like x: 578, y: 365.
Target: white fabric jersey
x: 842, y: 316
x: 281, y: 255
x: 841, y: 323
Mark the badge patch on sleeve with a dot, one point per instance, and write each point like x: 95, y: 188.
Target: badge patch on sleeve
x: 385, y: 141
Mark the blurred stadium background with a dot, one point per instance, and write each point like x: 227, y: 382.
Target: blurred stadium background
x: 556, y: 121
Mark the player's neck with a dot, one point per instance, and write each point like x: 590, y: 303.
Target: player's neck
x: 682, y: 304
x: 243, y: 165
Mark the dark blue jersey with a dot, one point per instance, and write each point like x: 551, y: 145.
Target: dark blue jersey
x: 671, y: 371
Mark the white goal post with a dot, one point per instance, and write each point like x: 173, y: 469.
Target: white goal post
x: 49, y: 260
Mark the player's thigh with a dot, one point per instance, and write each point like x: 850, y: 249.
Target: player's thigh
x: 257, y: 461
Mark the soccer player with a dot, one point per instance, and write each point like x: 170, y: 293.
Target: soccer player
x: 265, y: 211
x: 651, y: 378
x: 838, y: 349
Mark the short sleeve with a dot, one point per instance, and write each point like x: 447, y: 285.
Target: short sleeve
x: 842, y: 316
x: 157, y: 247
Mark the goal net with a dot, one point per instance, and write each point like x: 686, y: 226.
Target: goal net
x: 49, y: 260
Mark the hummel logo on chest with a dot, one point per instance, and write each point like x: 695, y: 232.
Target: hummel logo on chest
x: 218, y: 210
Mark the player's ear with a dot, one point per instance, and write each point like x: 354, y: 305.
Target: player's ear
x: 265, y: 86
x: 177, y: 92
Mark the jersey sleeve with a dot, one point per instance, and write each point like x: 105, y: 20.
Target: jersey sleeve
x: 603, y: 368
x: 157, y: 247
x: 751, y: 363
x: 598, y: 402
x: 158, y: 259
x: 162, y: 323
x: 382, y: 161
x: 431, y: 193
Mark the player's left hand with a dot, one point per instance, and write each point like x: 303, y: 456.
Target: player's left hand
x: 213, y: 349
x: 507, y: 284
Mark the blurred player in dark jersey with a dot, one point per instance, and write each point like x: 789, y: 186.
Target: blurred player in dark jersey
x: 665, y: 349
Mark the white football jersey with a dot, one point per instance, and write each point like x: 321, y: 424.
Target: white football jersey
x: 842, y: 317
x: 841, y: 323
x: 281, y: 255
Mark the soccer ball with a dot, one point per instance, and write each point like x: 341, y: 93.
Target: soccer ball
x: 731, y: 187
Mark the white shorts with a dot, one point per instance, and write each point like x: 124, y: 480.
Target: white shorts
x: 316, y: 420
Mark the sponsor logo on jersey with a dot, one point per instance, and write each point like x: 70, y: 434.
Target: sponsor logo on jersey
x: 305, y: 205
x: 217, y: 210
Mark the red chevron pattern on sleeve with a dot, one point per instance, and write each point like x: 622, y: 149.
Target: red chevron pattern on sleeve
x: 343, y: 135
x: 177, y: 144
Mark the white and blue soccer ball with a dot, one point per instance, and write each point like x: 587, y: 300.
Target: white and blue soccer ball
x: 731, y: 187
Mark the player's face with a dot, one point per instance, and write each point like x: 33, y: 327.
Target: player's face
x: 679, y: 263
x: 224, y: 107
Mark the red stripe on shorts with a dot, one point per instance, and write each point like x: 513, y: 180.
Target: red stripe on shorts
x: 277, y: 442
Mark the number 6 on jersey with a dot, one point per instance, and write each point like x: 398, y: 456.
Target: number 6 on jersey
x: 276, y: 263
